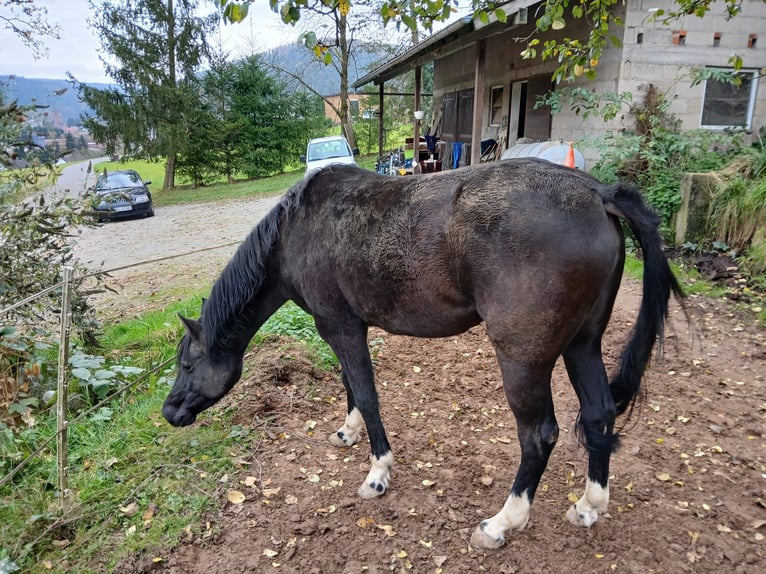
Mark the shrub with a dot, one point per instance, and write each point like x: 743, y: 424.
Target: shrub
x: 657, y: 154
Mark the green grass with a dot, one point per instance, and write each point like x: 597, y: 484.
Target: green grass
x: 130, y: 458
x: 185, y: 193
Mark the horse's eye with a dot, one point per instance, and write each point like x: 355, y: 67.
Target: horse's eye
x: 186, y: 367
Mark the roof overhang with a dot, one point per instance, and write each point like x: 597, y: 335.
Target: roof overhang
x: 456, y: 36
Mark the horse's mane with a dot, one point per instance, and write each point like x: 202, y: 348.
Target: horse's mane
x: 224, y: 313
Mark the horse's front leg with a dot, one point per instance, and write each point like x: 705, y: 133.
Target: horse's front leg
x: 348, y: 434
x: 349, y: 342
x: 529, y: 395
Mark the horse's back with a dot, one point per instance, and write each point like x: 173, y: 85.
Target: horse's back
x: 432, y: 255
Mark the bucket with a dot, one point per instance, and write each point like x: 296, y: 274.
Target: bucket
x: 554, y: 151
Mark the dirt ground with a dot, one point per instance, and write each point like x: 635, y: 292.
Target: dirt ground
x: 688, y: 486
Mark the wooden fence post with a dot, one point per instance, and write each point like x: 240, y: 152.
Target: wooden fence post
x: 62, y: 465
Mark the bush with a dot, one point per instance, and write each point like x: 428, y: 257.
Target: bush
x: 657, y: 154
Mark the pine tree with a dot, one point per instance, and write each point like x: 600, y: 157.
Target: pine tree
x: 155, y: 48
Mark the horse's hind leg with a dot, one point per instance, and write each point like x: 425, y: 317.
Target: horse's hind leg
x: 528, y: 390
x: 348, y: 339
x: 597, y: 415
x: 348, y: 434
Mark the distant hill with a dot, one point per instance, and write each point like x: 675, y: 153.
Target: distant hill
x: 64, y: 108
x: 324, y: 79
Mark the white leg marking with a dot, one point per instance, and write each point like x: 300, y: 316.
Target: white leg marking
x: 490, y: 534
x: 585, y: 511
x: 348, y: 434
x: 376, y: 482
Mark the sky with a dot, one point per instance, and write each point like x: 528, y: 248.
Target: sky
x: 77, y: 52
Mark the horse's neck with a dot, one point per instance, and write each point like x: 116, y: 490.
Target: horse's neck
x: 233, y: 332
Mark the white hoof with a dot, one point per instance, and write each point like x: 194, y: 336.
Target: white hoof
x: 371, y: 490
x: 348, y: 434
x: 377, y: 479
x: 341, y: 439
x: 585, y: 511
x: 483, y: 541
x: 582, y: 518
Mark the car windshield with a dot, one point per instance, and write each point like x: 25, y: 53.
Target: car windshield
x: 118, y: 181
x: 328, y: 150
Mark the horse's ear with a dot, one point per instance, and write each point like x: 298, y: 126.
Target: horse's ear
x: 193, y: 328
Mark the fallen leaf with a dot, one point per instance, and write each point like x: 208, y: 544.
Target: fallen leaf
x: 573, y: 497
x: 149, y: 513
x: 235, y: 497
x: 129, y: 510
x: 723, y: 528
x: 312, y: 477
x: 416, y: 369
x: 329, y: 510
x: 401, y: 554
x: 364, y: 522
x: 291, y: 499
x: 426, y: 544
x: 663, y: 476
x: 387, y: 528
x: 439, y: 560
x: 428, y: 482
x: 487, y: 480
x: 250, y: 481
x: 269, y: 492
x: 269, y: 553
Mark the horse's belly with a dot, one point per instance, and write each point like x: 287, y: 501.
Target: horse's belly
x: 426, y: 320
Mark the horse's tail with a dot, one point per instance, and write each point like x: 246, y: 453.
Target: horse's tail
x: 625, y: 201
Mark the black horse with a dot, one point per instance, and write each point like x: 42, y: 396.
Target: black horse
x: 533, y: 249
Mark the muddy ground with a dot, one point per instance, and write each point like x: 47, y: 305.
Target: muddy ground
x: 688, y: 486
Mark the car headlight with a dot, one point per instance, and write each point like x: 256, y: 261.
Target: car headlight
x: 140, y: 198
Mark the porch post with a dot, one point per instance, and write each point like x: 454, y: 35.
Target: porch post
x: 381, y: 124
x: 478, y: 102
x: 416, y: 130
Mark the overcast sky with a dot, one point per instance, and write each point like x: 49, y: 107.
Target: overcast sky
x: 77, y: 51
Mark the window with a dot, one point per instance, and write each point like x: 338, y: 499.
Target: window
x: 496, y: 106
x: 457, y: 116
x: 727, y: 106
x: 353, y: 106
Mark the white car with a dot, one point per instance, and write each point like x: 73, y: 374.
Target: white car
x: 328, y: 150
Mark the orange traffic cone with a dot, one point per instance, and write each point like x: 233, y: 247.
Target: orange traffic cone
x: 570, y: 161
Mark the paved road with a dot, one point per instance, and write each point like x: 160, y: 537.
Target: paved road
x: 76, y: 178
x: 173, y: 231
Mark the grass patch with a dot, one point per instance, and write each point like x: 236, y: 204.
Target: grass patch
x: 186, y: 193
x: 138, y: 484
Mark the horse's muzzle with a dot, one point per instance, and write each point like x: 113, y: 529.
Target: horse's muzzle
x: 178, y: 417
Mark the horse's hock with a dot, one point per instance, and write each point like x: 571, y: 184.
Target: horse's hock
x: 696, y: 192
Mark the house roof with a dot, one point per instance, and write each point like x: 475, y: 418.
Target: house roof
x: 456, y: 36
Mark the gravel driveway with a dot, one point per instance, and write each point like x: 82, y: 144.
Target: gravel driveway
x: 174, y: 231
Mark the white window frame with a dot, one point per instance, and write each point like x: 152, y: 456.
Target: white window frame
x: 492, y: 91
x: 753, y: 73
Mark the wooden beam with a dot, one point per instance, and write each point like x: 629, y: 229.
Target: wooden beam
x: 478, y: 101
x: 381, y: 124
x: 416, y: 128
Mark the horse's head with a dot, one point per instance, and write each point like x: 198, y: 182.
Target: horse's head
x: 202, y: 380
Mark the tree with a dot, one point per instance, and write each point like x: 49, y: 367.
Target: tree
x: 247, y: 121
x: 156, y: 49
x: 271, y: 124
x: 29, y: 21
x: 573, y: 55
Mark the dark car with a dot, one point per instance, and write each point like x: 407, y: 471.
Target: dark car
x: 119, y: 194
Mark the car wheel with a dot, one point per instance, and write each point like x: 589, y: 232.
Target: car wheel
x: 150, y: 213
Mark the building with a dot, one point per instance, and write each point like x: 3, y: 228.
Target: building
x: 484, y: 89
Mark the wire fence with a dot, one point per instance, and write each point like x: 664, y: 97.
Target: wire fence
x: 62, y: 423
